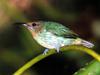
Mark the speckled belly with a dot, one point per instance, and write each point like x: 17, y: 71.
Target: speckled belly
x: 50, y: 41
x: 47, y: 40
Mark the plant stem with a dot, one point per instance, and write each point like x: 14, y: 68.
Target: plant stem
x: 65, y: 48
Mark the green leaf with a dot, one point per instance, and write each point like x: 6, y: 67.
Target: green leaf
x: 93, y: 68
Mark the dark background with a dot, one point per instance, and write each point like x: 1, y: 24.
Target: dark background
x: 18, y: 47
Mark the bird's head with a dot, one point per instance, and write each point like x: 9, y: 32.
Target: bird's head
x: 33, y: 27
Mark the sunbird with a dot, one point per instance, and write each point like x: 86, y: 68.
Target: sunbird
x: 53, y: 35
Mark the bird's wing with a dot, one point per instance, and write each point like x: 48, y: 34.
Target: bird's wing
x: 60, y: 30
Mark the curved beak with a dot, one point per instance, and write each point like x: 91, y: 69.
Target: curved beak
x: 21, y: 23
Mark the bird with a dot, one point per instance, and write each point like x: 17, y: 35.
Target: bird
x: 53, y: 35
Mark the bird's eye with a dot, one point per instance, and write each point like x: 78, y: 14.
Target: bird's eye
x: 34, y: 24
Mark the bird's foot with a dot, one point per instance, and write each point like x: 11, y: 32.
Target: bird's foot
x: 58, y: 50
x: 57, y: 47
x: 45, y: 51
